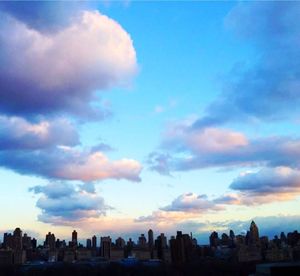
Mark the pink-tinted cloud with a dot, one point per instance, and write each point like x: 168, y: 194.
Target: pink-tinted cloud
x: 96, y: 166
x: 186, y: 148
x: 65, y: 163
x: 60, y: 71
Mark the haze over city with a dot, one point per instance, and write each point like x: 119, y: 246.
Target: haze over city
x: 118, y: 117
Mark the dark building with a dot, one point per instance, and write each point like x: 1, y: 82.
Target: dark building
x: 142, y: 242
x: 94, y: 242
x: 150, y: 238
x: 74, y: 238
x: 214, y: 239
x: 50, y: 241
x: 17, y: 239
x: 225, y: 240
x: 120, y: 243
x: 253, y: 234
x: 181, y: 248
x: 33, y: 243
x: 160, y: 246
x: 88, y: 243
x: 105, y: 247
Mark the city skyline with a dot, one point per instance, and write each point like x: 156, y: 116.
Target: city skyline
x: 117, y: 117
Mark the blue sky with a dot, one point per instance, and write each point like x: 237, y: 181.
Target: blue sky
x: 149, y: 114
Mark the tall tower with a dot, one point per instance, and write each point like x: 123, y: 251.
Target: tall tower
x: 150, y: 238
x: 253, y: 234
x: 105, y: 247
x: 94, y: 242
x: 74, y: 238
x: 17, y: 238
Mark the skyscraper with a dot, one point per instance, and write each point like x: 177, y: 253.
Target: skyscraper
x: 88, y: 243
x: 50, y: 240
x: 17, y: 238
x: 74, y: 238
x: 105, y: 247
x: 253, y: 234
x: 150, y: 238
x: 94, y: 242
x: 142, y: 242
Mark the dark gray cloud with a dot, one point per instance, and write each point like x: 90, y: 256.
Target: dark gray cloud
x: 65, y: 202
x: 18, y: 133
x: 270, y: 88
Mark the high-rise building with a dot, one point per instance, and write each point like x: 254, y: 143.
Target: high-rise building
x: 214, y: 239
x: 225, y: 240
x: 88, y: 243
x: 33, y: 243
x: 94, y: 242
x: 150, y: 238
x: 253, y: 234
x: 181, y: 248
x: 120, y: 243
x: 74, y: 238
x: 50, y: 241
x: 26, y: 241
x: 142, y: 242
x: 161, y: 245
x: 17, y: 239
x: 105, y: 247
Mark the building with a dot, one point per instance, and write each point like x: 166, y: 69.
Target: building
x: 17, y: 239
x: 50, y: 241
x: 142, y: 242
x: 181, y: 248
x: 94, y: 242
x: 74, y: 238
x: 150, y: 238
x: 105, y: 247
x: 120, y: 243
x: 253, y: 235
x: 88, y: 243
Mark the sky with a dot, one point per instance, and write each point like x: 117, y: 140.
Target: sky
x: 117, y: 117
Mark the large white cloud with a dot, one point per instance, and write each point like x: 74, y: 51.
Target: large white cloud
x: 44, y: 73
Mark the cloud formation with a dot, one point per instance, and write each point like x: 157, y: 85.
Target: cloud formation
x: 185, y: 148
x: 65, y: 163
x: 66, y: 202
x: 60, y: 71
x: 273, y: 28
x: 191, y: 202
x: 51, y: 69
x: 45, y: 16
x: 267, y: 185
x: 18, y: 133
x: 185, y: 206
